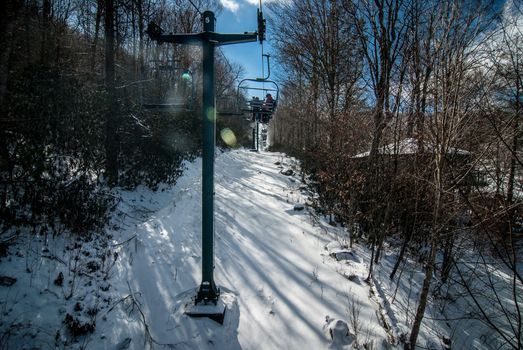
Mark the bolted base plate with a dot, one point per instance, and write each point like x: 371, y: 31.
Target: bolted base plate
x: 196, y: 324
x: 214, y: 311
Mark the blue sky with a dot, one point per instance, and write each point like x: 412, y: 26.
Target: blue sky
x: 239, y: 16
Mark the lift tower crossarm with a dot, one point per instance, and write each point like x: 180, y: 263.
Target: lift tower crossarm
x: 219, y: 39
x: 197, y: 38
x: 228, y: 39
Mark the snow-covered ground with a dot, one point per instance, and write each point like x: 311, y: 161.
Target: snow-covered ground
x: 286, y: 277
x: 269, y: 258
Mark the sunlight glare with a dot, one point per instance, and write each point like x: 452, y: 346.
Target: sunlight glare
x: 228, y: 137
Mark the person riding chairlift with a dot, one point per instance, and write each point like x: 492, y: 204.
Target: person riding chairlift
x: 268, y: 106
x: 269, y: 101
x: 256, y: 105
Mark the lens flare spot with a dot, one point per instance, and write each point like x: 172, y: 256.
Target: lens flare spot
x: 187, y: 76
x: 228, y: 137
x: 211, y: 116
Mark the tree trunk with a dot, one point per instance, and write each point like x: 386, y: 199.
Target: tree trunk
x: 10, y: 13
x: 401, y: 254
x: 141, y: 38
x: 447, y: 257
x: 383, y: 231
x: 96, y: 33
x: 429, y: 270
x: 111, y: 144
x: 512, y: 167
x: 429, y: 267
x: 46, y: 31
x: 373, y: 252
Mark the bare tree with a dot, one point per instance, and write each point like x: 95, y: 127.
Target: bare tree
x: 111, y: 145
x: 497, y: 213
x: 452, y: 93
x: 321, y: 57
x: 380, y: 28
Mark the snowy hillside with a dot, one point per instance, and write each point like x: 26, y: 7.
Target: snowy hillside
x: 287, y: 278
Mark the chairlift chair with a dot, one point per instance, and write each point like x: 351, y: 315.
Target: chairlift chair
x: 229, y: 105
x: 260, y: 108
x: 168, y: 87
x: 240, y: 105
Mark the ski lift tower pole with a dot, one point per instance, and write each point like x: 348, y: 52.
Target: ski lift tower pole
x: 209, y: 39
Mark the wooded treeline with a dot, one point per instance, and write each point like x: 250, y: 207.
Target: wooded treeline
x: 406, y: 116
x: 74, y: 75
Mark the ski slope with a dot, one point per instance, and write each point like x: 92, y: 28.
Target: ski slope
x: 277, y: 279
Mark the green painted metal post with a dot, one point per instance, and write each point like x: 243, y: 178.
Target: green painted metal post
x: 208, y: 39
x: 258, y: 135
x: 253, y: 139
x: 208, y: 290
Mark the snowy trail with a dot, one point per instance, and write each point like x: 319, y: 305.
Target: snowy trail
x: 268, y: 255
x: 284, y: 283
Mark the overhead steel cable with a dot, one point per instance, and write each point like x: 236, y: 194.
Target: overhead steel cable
x: 196, y: 8
x: 226, y: 60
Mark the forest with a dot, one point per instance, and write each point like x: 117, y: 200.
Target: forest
x: 74, y: 78
x: 404, y: 116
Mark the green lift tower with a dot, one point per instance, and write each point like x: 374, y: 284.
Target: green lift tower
x: 208, y: 292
